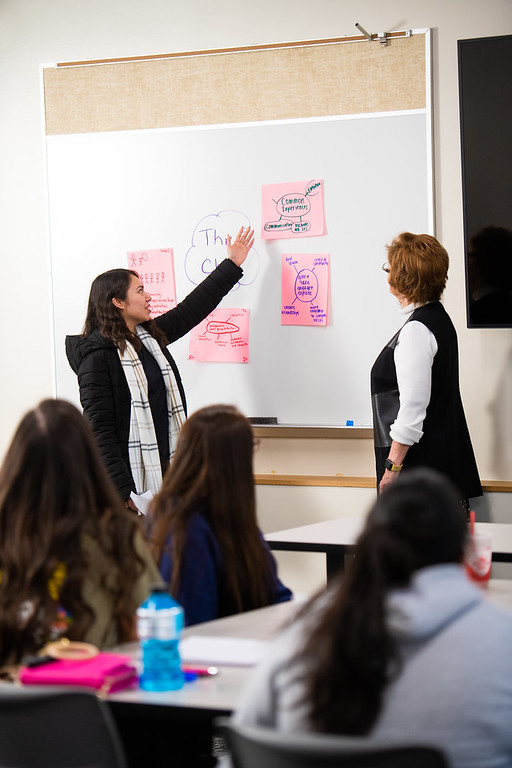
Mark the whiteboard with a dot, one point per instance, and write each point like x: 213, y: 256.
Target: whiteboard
x: 111, y: 193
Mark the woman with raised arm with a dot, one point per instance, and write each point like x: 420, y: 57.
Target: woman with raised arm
x: 130, y: 386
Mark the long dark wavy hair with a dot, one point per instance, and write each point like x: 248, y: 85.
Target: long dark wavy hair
x: 213, y: 466
x: 350, y: 655
x: 54, y: 490
x: 103, y: 315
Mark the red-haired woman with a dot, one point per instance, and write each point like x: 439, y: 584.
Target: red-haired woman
x: 418, y: 416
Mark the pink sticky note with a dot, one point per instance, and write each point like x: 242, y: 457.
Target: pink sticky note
x: 155, y: 268
x: 304, y: 288
x: 223, y: 337
x: 292, y: 210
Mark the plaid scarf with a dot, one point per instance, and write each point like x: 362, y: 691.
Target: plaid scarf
x: 142, y: 445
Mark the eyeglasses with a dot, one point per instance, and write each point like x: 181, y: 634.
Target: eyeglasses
x: 386, y: 267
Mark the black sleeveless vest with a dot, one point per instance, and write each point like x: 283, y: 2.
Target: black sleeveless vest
x: 445, y: 444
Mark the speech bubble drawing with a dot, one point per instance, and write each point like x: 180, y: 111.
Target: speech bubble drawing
x: 208, y: 247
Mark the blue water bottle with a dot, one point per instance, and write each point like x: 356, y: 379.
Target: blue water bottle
x: 159, y: 625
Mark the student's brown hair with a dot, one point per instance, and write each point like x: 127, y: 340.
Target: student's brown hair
x: 213, y: 465
x: 54, y: 490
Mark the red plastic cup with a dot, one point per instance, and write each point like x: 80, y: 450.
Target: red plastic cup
x: 478, y: 559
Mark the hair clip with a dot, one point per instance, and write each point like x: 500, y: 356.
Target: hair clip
x: 70, y: 649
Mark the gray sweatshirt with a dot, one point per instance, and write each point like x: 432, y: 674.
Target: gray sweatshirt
x: 455, y: 688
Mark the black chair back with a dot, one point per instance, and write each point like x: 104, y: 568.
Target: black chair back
x: 49, y: 728
x: 252, y: 747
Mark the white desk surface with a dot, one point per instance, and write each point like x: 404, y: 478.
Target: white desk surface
x: 499, y: 591
x: 219, y: 693
x: 343, y: 532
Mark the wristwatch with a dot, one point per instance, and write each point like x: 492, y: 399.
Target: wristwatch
x: 392, y: 467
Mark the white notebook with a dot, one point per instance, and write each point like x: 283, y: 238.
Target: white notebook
x: 232, y: 651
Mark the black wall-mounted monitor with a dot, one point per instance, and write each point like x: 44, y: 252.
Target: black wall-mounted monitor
x: 485, y: 100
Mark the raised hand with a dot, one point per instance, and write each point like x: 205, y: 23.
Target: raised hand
x: 240, y: 247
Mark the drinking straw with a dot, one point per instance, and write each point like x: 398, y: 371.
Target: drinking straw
x: 472, y: 521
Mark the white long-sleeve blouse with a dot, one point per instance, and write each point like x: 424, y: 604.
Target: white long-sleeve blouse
x: 414, y: 355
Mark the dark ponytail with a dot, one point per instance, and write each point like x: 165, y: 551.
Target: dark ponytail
x: 350, y: 656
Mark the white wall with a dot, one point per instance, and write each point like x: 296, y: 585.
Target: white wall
x: 33, y: 32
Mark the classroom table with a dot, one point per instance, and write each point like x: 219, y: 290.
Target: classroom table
x: 336, y: 538
x: 176, y: 727
x: 499, y: 591
x: 209, y: 697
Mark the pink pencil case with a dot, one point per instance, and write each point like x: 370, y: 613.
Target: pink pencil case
x: 105, y: 672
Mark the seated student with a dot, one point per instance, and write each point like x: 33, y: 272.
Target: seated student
x: 73, y: 562
x: 405, y: 647
x: 203, y: 526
